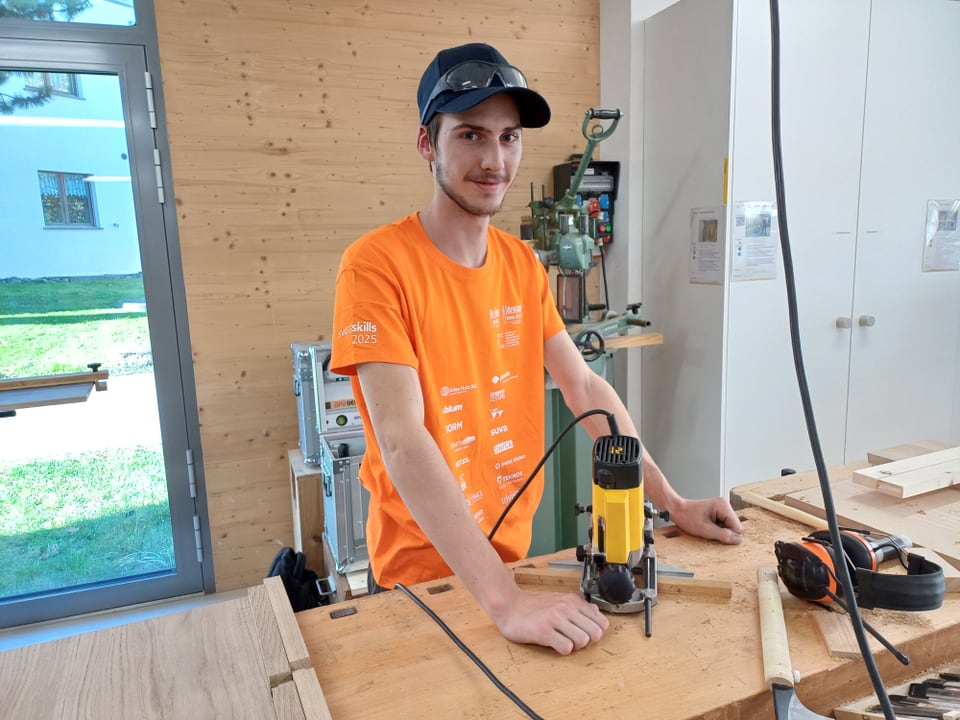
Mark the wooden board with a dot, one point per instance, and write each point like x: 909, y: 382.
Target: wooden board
x: 199, y: 663
x: 931, y: 520
x: 913, y: 476
x: 702, y: 662
x: 907, y: 450
x: 224, y: 659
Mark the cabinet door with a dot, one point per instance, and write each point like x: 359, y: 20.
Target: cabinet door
x: 823, y: 80
x: 903, y: 367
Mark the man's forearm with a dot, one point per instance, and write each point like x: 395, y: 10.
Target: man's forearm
x: 430, y: 491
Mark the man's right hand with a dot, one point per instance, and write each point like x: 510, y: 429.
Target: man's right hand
x: 562, y: 621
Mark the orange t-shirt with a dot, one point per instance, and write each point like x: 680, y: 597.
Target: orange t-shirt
x: 475, y: 337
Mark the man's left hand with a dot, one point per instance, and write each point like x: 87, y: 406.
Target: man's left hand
x: 712, y: 518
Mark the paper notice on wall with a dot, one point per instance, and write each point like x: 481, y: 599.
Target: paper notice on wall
x: 941, y: 247
x: 707, y: 231
x: 756, y: 239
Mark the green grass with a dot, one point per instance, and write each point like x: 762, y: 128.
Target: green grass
x: 96, y: 517
x: 59, y: 326
x: 100, y: 515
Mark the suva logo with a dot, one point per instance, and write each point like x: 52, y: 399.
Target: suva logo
x: 498, y: 430
x: 447, y: 409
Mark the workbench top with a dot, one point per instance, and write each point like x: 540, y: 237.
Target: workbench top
x: 389, y: 660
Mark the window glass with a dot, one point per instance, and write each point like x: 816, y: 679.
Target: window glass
x: 95, y: 12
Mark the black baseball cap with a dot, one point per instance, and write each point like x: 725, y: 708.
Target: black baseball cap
x: 483, y: 72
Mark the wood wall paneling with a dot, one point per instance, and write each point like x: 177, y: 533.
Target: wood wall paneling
x: 292, y: 128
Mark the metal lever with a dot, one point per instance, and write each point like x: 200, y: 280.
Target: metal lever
x: 844, y: 323
x: 867, y: 321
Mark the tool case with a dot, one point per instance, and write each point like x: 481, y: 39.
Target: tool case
x: 305, y: 392
x: 345, y: 500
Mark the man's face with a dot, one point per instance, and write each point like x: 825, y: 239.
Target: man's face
x: 477, y: 153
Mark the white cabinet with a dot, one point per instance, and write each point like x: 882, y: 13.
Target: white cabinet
x: 871, y: 112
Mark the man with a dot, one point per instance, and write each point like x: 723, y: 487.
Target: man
x: 446, y: 325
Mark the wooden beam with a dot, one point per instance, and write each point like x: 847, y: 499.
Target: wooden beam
x: 563, y: 579
x: 913, y: 476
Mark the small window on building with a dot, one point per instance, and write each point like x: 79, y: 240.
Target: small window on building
x: 67, y: 199
x: 53, y: 82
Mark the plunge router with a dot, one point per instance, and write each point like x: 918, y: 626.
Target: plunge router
x: 619, y: 562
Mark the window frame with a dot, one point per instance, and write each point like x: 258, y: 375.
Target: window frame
x: 92, y: 223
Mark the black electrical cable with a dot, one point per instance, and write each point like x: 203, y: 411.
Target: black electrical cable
x: 613, y: 431
x: 469, y: 653
x: 828, y: 505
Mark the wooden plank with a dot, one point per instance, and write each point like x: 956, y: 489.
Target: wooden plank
x: 907, y: 450
x: 563, y: 579
x: 271, y: 645
x: 40, y: 381
x: 197, y: 663
x: 931, y: 520
x: 838, y: 635
x: 286, y: 701
x: 783, y: 510
x: 913, y: 476
x: 312, y: 701
x: 293, y: 644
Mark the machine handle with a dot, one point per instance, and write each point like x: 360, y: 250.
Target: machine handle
x: 843, y: 323
x: 867, y: 321
x: 773, y: 630
x: 600, y: 114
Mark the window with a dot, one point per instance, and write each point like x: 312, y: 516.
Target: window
x: 51, y: 82
x: 67, y: 199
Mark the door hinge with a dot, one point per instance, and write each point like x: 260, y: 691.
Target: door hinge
x: 197, y: 538
x: 191, y: 474
x: 151, y: 111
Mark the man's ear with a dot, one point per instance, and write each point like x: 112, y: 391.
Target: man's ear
x: 424, y: 146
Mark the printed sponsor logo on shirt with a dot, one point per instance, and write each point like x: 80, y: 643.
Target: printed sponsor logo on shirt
x: 502, y: 447
x: 454, y: 426
x: 498, y: 430
x: 511, y: 461
x: 508, y: 339
x: 498, y: 395
x: 494, y: 317
x: 475, y: 497
x: 496, y: 412
x: 463, y: 443
x: 360, y: 326
x: 447, y: 409
x: 508, y: 479
x: 513, y: 314
x: 508, y: 497
x: 504, y: 378
x: 447, y: 390
x: 461, y: 462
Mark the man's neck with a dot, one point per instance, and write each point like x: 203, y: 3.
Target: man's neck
x: 459, y: 235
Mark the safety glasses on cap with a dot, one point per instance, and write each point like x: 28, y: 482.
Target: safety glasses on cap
x: 474, y: 75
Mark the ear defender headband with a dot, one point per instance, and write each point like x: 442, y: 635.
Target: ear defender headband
x: 809, y: 570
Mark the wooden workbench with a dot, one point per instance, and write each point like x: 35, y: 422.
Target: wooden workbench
x: 389, y: 660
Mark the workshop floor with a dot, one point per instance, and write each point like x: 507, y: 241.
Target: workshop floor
x: 55, y: 629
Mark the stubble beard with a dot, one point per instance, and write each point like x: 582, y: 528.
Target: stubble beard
x: 459, y: 199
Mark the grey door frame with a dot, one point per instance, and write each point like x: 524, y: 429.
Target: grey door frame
x: 131, y: 53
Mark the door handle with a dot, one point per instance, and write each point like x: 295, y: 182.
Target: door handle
x: 844, y: 323
x: 867, y: 321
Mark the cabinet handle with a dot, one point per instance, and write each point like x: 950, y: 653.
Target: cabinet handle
x: 844, y: 322
x: 867, y: 321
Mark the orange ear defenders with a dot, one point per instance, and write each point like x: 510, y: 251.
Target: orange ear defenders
x: 809, y: 570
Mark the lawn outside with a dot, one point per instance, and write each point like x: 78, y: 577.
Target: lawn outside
x: 83, y: 495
